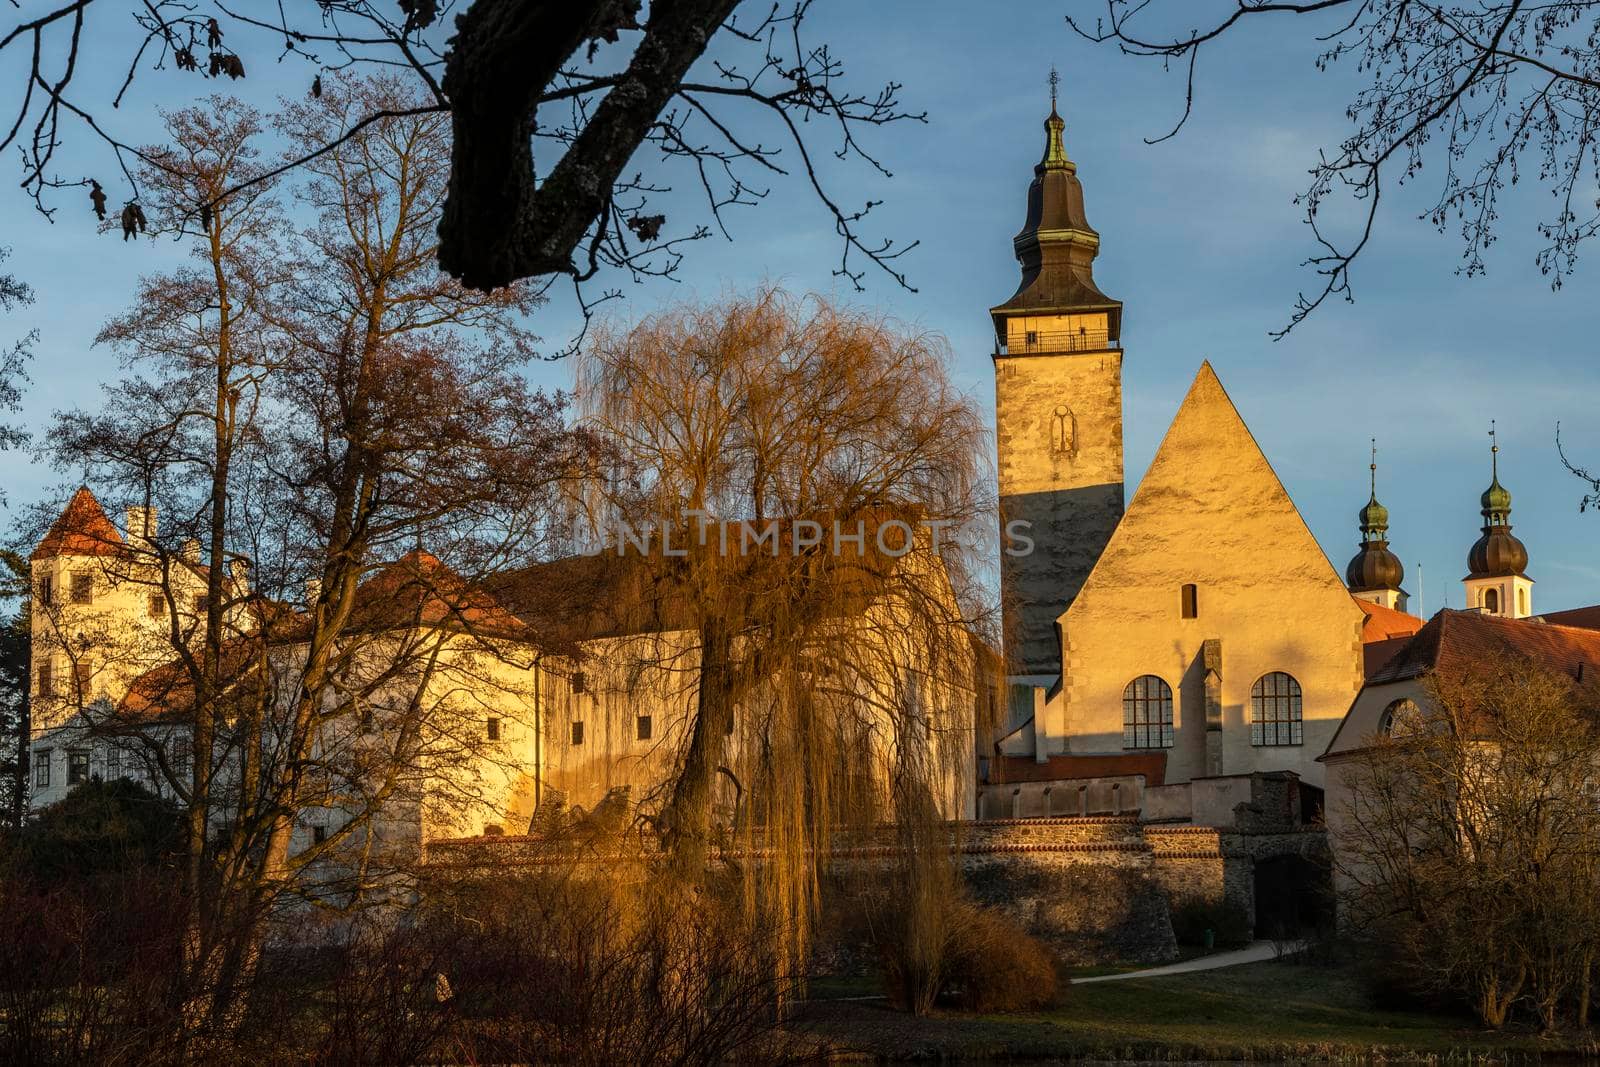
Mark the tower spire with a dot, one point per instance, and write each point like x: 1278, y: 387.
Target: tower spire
x: 1375, y: 573
x: 1497, y: 563
x: 1056, y: 248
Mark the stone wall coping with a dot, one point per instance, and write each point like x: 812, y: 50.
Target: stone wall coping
x: 551, y: 858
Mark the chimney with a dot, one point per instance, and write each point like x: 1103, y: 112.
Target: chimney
x: 141, y: 524
x: 191, y: 550
x: 313, y: 591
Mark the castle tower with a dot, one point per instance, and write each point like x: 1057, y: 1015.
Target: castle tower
x: 73, y: 570
x: 1058, y: 414
x: 1375, y: 573
x: 1495, y: 582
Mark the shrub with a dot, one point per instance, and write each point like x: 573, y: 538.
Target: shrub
x: 1191, y: 919
x: 996, y: 965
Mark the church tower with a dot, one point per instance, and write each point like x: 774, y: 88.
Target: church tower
x: 1375, y: 573
x: 1058, y: 414
x: 1496, y: 583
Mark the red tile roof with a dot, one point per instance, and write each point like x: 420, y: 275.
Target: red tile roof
x: 1584, y: 618
x: 81, y: 530
x: 1383, y: 624
x: 1009, y: 769
x: 419, y: 590
x: 1457, y: 641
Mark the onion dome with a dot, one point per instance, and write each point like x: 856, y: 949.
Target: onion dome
x: 1497, y: 553
x: 1056, y: 246
x: 1374, y: 567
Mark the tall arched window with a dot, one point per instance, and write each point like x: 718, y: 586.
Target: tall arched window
x: 1491, y: 601
x: 1147, y: 713
x: 1400, y: 718
x: 1275, y: 710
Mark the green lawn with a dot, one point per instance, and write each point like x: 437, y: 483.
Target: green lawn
x: 1256, y: 1012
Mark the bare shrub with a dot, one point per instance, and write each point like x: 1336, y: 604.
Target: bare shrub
x: 88, y: 976
x: 933, y: 941
x: 996, y: 965
x: 620, y: 963
x: 385, y: 1001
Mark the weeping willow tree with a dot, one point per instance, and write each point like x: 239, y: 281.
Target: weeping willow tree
x: 803, y: 486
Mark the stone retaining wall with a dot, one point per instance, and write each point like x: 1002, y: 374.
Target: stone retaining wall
x: 1096, y: 889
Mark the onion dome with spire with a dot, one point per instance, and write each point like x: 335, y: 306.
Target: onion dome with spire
x: 1056, y: 246
x: 1497, y: 552
x: 1374, y: 567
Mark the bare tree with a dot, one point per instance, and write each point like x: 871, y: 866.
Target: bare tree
x: 1469, y: 843
x: 14, y: 356
x: 548, y: 103
x: 830, y: 663
x: 1488, y: 92
x: 314, y: 406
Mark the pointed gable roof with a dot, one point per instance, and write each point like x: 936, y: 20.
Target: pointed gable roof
x: 1210, y: 472
x: 81, y: 530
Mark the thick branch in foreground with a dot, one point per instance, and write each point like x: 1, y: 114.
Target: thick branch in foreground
x: 498, y: 226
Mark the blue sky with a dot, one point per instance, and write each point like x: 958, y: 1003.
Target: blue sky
x: 1200, y: 240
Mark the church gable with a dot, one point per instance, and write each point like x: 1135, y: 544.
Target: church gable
x: 1211, y: 588
x: 1211, y: 512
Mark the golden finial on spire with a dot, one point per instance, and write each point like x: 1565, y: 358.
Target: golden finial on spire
x: 1055, y: 80
x: 1373, y: 468
x: 1494, y: 452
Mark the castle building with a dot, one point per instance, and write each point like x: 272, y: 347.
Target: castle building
x: 569, y: 682
x: 1169, y: 656
x: 1200, y: 633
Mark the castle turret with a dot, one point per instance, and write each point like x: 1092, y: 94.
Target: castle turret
x: 1375, y: 573
x: 1496, y: 582
x: 1058, y: 413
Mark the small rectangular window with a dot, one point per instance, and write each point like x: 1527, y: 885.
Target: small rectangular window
x: 47, y: 591
x: 319, y: 834
x: 41, y: 769
x: 47, y: 685
x: 82, y: 674
x: 77, y: 767
x: 180, y: 755
x: 646, y: 726
x: 494, y: 729
x: 1032, y: 339
x: 156, y: 605
x: 580, y: 682
x: 577, y: 732
x: 113, y: 764
x: 82, y: 587
x: 200, y: 603
x: 1191, y: 601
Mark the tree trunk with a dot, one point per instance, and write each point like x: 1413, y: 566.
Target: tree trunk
x: 688, y: 822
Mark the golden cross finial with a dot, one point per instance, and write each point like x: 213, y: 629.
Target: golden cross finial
x: 1055, y: 80
x: 1494, y: 451
x: 1373, y: 467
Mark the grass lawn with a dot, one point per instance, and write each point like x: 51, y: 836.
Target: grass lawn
x: 1256, y: 1011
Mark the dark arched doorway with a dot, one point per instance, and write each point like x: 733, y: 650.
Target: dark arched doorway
x: 1293, y: 897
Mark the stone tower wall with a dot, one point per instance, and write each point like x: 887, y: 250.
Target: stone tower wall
x: 1058, y: 427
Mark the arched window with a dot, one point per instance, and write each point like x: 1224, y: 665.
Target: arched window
x: 1275, y: 710
x: 1522, y: 602
x: 1399, y: 718
x: 1491, y: 601
x: 1147, y: 713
